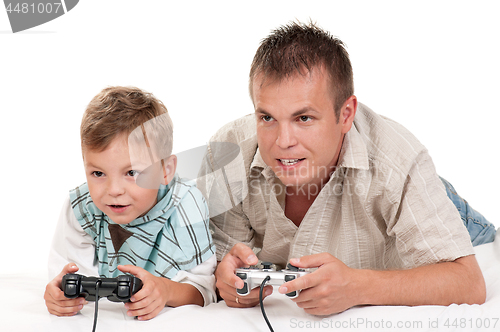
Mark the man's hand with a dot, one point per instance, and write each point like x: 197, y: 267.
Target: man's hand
x: 56, y: 302
x: 330, y: 289
x: 153, y: 296
x: 334, y: 287
x: 227, y: 281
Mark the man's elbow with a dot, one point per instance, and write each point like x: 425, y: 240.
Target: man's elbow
x: 474, y: 290
x: 476, y: 294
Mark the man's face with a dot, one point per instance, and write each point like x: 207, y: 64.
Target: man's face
x: 112, y: 182
x: 298, y: 133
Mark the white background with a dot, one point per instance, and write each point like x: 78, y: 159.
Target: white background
x: 433, y: 66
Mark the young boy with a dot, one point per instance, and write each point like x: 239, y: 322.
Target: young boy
x: 134, y: 214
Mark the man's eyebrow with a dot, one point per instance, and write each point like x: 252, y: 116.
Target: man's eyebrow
x: 304, y: 110
x: 261, y: 111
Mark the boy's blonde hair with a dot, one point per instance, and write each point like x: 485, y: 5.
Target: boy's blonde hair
x: 120, y: 110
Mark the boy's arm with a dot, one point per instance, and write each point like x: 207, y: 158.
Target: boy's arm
x: 202, y: 278
x: 158, y: 292
x: 72, y: 250
x: 71, y: 244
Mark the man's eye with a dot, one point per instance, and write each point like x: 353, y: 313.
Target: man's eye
x: 305, y: 118
x: 266, y: 118
x: 97, y: 174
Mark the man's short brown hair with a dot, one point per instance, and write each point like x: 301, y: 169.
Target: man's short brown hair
x: 119, y: 110
x: 296, y: 47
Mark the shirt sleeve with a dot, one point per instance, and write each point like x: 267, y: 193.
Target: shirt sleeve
x: 71, y: 244
x: 230, y: 228
x: 424, y: 222
x: 228, y: 222
x: 202, y: 278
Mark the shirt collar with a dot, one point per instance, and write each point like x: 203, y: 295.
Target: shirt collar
x: 164, y: 202
x: 353, y: 153
x: 260, y: 166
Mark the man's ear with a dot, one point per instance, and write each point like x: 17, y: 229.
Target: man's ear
x: 347, y: 113
x: 169, y: 166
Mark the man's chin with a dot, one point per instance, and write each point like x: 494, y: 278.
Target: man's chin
x: 305, y: 186
x: 291, y: 182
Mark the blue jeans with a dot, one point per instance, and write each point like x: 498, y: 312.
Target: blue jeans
x: 480, y: 230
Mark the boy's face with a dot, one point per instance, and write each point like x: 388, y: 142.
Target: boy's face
x: 112, y: 182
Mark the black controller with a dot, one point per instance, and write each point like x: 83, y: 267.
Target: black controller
x: 119, y: 289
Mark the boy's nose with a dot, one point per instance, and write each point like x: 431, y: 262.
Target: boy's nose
x: 115, y: 187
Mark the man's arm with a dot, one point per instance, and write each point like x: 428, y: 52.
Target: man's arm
x: 334, y: 287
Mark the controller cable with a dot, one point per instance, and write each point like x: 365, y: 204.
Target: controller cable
x: 262, y: 304
x: 97, y: 284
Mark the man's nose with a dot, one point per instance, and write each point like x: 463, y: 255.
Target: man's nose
x: 286, y: 137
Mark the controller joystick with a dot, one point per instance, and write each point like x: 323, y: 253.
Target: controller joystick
x: 119, y: 289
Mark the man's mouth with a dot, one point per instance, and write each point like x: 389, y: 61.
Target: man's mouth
x: 290, y: 162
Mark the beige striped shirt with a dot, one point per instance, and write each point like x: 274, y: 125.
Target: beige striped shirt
x: 384, y: 207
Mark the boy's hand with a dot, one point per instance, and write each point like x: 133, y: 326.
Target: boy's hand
x: 153, y: 296
x: 56, y: 302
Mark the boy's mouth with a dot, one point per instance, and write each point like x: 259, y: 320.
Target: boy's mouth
x: 118, y: 208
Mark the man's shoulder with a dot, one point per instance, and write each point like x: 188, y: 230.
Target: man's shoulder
x: 243, y: 133
x: 386, y: 140
x: 237, y: 130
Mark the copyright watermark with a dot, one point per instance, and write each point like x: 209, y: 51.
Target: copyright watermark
x: 439, y: 324
x: 26, y: 14
x: 358, y: 323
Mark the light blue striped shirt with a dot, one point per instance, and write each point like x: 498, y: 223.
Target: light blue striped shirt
x: 172, y: 236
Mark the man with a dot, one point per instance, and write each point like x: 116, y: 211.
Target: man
x: 334, y: 186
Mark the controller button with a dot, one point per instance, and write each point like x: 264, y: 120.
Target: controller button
x: 266, y: 265
x: 289, y: 277
x: 243, y: 290
x: 123, y: 291
x: 71, y: 290
x: 242, y: 276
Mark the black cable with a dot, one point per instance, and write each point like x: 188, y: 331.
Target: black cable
x: 97, y: 284
x: 262, y: 304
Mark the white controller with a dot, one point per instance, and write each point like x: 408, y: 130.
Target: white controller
x: 253, y: 277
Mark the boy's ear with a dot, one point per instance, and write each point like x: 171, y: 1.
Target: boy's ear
x: 169, y: 166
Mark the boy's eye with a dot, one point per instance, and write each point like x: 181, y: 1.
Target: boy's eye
x: 97, y: 174
x: 266, y: 118
x: 305, y: 118
x: 132, y: 173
